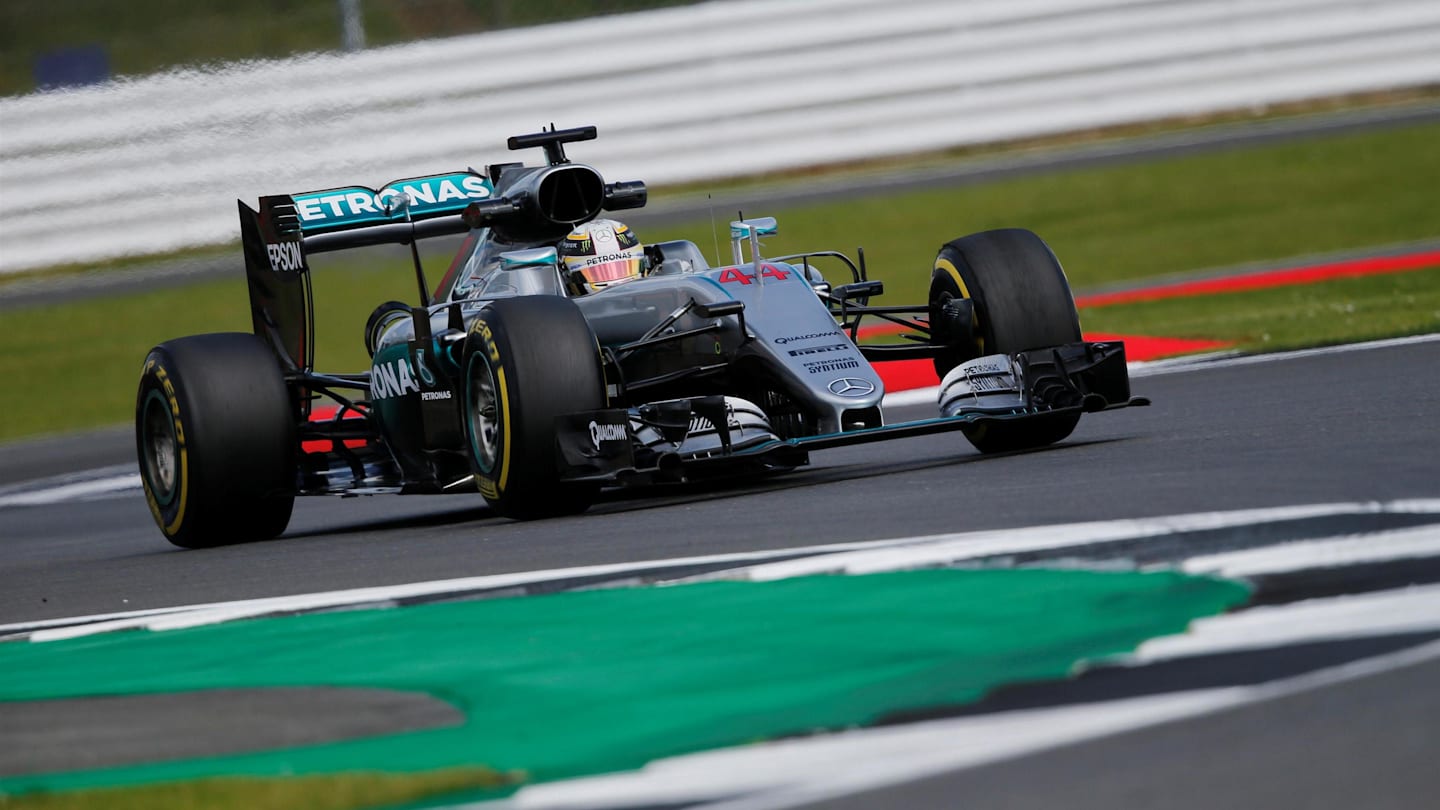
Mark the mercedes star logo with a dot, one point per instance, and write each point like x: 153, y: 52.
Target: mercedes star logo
x: 851, y: 387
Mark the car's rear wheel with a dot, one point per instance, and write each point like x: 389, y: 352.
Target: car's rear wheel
x: 1017, y: 298
x: 527, y: 361
x: 216, y: 438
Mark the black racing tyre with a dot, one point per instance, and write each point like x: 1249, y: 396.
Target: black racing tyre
x: 215, y: 431
x: 1020, y: 300
x: 528, y: 360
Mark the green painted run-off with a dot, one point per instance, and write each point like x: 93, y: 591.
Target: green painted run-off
x: 589, y: 682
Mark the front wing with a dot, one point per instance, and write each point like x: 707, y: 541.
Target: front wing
x: 1040, y: 384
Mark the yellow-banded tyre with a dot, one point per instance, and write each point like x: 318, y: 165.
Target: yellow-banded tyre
x: 216, y: 436
x: 1019, y: 299
x: 528, y: 360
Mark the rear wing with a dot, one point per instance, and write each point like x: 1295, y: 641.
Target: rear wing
x: 278, y: 238
x: 522, y: 204
x: 350, y: 207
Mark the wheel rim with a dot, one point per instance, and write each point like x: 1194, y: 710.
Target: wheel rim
x: 946, y: 297
x: 162, y: 449
x: 954, y: 288
x: 483, y: 413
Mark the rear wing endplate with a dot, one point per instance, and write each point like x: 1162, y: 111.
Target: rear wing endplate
x: 278, y: 278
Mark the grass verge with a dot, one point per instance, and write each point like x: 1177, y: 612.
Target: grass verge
x: 1138, y: 221
x: 76, y: 364
x: 1340, y: 311
x: 328, y: 792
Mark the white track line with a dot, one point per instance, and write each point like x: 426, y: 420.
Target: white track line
x: 943, y: 549
x: 1141, y: 369
x: 813, y: 768
x: 791, y: 773
x: 1334, y: 552
x: 1207, y: 362
x: 1409, y: 610
x: 852, y: 558
x: 192, y: 615
x: 78, y: 491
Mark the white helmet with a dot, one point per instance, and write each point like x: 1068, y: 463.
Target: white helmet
x: 600, y: 253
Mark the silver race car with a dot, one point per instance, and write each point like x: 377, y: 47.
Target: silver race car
x: 559, y: 356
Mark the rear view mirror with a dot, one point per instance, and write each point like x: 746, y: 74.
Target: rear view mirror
x: 719, y: 309
x: 531, y: 257
x: 760, y: 226
x: 859, y: 289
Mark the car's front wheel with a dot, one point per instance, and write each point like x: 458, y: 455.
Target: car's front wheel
x: 528, y: 360
x: 1018, y: 298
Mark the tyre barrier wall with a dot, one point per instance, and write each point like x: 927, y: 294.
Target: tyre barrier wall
x: 717, y: 89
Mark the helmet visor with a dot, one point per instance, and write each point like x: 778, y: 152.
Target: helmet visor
x: 603, y: 273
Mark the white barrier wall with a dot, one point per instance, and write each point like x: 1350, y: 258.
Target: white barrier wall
x: 723, y: 88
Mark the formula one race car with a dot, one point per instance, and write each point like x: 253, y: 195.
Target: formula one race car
x: 515, y: 380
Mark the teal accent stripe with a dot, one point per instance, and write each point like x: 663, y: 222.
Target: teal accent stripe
x: 355, y: 206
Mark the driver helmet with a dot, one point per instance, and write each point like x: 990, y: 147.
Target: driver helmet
x: 600, y: 253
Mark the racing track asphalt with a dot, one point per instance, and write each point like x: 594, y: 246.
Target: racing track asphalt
x: 1340, y: 427
x: 1336, y: 427
x: 1248, y: 757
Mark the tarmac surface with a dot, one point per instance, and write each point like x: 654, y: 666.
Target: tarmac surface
x: 1317, y: 428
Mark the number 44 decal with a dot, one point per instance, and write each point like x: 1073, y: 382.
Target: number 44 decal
x: 731, y: 275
